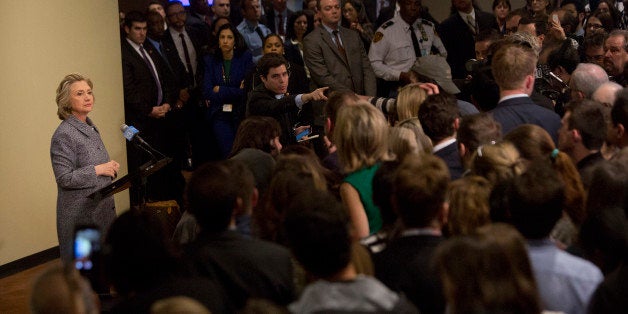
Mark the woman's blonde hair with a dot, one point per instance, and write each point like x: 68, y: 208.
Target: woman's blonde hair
x: 409, y: 100
x: 414, y: 124
x: 361, y: 136
x: 64, y: 107
x: 496, y: 162
x: 468, y: 205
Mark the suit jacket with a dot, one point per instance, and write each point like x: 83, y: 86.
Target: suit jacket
x: 75, y: 149
x: 521, y: 110
x: 198, y: 42
x: 270, y: 20
x: 451, y: 156
x: 262, y: 102
x: 460, y: 41
x: 140, y: 89
x: 328, y: 67
x: 244, y: 267
x: 404, y: 266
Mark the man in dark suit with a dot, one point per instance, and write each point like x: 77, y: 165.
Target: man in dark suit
x: 335, y: 55
x: 277, y: 17
x: 420, y: 186
x: 458, y: 33
x: 271, y: 98
x: 245, y: 267
x: 148, y: 96
x: 185, y: 44
x: 513, y: 68
x: 440, y: 118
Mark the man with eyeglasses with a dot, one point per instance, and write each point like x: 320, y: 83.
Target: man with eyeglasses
x: 616, y: 56
x: 593, y: 47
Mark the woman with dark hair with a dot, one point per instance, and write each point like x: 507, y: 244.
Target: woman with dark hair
x: 354, y: 17
x: 299, y: 24
x: 223, y: 92
x: 501, y: 8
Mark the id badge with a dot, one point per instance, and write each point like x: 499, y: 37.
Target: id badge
x: 227, y: 108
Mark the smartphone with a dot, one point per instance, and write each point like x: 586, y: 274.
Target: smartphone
x: 301, y: 135
x: 87, y: 242
x: 555, y: 18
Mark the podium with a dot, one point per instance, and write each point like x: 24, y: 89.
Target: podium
x: 137, y: 177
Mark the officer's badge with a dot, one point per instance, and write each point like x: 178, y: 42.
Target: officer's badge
x: 377, y: 37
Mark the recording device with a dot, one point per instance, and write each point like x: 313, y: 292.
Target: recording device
x: 86, y: 247
x: 555, y: 19
x: 132, y: 135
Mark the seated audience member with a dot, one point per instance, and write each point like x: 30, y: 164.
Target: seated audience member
x: 475, y: 130
x: 142, y: 266
x: 256, y: 144
x: 419, y: 192
x: 293, y: 174
x: 606, y: 95
x: 61, y: 289
x: 178, y: 304
x: 603, y: 238
x: 618, y: 131
x: 585, y: 80
x: 488, y: 273
x: 582, y: 133
x: 616, y: 56
x: 593, y: 48
x: 496, y: 162
x: 513, y: 68
x: 608, y: 179
x: 331, y: 179
x: 403, y: 142
x: 535, y: 198
x: 533, y: 143
x: 318, y: 233
x: 440, y: 119
x: 298, y: 82
x: 360, y: 135
x: 468, y: 205
x: 423, y: 141
x: 330, y: 110
x: 382, y: 190
x: 409, y: 100
x: 246, y: 268
x: 271, y: 98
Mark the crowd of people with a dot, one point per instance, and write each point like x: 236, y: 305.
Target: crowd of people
x: 361, y: 156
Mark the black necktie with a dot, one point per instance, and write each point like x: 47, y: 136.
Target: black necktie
x: 259, y: 32
x: 160, y: 94
x: 188, y: 62
x: 415, y: 42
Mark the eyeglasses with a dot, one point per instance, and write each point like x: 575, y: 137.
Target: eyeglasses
x: 596, y: 58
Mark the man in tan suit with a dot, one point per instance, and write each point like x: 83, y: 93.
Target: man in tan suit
x: 335, y: 55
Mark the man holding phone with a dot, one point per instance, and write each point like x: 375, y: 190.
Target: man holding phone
x: 271, y: 98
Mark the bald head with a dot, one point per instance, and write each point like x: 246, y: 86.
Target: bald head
x: 586, y: 79
x: 606, y: 93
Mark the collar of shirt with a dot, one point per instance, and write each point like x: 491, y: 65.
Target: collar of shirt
x: 279, y: 96
x: 464, y: 15
x: 443, y: 144
x: 134, y: 45
x: 175, y: 33
x: 329, y: 30
x: 512, y: 96
x: 251, y: 24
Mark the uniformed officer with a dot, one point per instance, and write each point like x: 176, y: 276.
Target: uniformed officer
x: 394, y: 49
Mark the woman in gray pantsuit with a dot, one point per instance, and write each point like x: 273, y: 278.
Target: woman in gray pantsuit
x: 80, y: 163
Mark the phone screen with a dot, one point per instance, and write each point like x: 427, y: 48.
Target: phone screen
x: 86, y: 245
x: 303, y: 134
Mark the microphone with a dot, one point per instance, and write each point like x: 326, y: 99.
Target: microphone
x: 132, y: 135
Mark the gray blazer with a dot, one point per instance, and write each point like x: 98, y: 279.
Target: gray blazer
x: 75, y: 149
x: 328, y: 68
